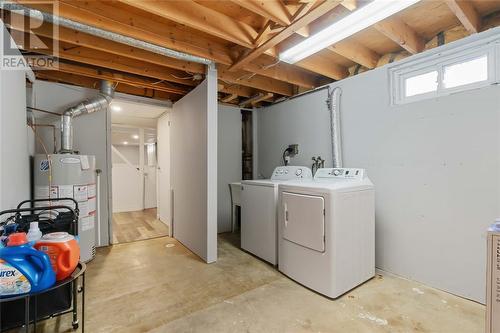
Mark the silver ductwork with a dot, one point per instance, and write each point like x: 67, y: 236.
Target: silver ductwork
x: 64, y: 22
x: 95, y: 104
x: 333, y: 103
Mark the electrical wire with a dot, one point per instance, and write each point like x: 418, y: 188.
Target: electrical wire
x: 270, y: 65
x: 183, y: 78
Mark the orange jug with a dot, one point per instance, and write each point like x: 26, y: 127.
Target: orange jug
x: 63, y: 251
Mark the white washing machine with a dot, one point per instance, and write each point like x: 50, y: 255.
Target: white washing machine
x: 259, y: 198
x: 327, y: 230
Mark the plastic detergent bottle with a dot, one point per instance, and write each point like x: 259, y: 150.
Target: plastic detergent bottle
x: 34, y: 233
x: 23, y: 269
x: 63, y: 251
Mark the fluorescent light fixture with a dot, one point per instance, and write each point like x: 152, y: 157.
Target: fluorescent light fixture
x: 116, y: 107
x: 125, y: 142
x: 366, y: 16
x: 135, y: 136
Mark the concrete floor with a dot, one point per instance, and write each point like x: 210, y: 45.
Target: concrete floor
x: 158, y: 285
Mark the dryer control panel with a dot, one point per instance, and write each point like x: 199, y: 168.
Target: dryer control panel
x: 340, y: 173
x: 291, y: 172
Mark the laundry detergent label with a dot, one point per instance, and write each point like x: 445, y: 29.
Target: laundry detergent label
x: 12, y: 281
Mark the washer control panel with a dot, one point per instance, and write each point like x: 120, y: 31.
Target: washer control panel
x: 340, y: 173
x: 291, y: 172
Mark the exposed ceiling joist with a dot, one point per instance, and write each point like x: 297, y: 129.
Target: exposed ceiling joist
x: 235, y: 89
x: 118, y: 63
x: 124, y: 78
x: 256, y: 99
x: 398, y: 31
x: 350, y: 4
x: 143, y: 68
x: 253, y: 34
x: 200, y: 17
x: 94, y: 84
x: 82, y: 39
x: 265, y: 97
x: 285, y: 72
x: 273, y: 10
x: 466, y: 14
x: 255, y: 81
x: 229, y: 98
x: 357, y: 53
x: 301, y: 22
x: 318, y: 62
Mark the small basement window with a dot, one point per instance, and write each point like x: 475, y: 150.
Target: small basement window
x: 443, y: 74
x: 466, y: 72
x: 421, y: 83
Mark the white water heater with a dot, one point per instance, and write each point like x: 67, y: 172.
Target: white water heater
x: 71, y: 176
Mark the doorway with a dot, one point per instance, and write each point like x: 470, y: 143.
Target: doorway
x: 134, y: 172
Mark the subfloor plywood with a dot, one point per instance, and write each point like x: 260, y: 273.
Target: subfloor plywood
x: 158, y: 285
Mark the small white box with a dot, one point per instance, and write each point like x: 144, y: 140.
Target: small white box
x: 493, y: 280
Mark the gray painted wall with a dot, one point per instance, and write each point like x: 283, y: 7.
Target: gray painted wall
x: 435, y: 165
x: 14, y: 136
x: 14, y: 154
x: 229, y: 158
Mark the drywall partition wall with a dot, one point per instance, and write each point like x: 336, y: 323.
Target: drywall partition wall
x: 14, y: 155
x: 194, y: 169
x: 14, y: 147
x: 164, y: 171
x: 229, y: 161
x: 92, y: 133
x: 435, y: 165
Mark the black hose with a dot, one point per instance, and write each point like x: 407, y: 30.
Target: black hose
x: 288, y: 150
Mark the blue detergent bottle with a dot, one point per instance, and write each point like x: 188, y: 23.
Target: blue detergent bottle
x: 23, y: 269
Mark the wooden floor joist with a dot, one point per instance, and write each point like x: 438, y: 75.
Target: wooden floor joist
x: 244, y: 38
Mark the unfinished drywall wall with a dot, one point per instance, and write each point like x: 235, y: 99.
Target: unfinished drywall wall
x: 14, y: 133
x: 229, y: 158
x: 194, y: 169
x: 92, y: 133
x: 435, y: 165
x: 14, y: 154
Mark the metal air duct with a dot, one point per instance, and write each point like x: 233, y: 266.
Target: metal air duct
x: 95, y: 104
x: 333, y: 103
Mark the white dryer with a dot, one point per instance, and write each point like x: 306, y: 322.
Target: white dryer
x: 259, y: 199
x: 327, y: 230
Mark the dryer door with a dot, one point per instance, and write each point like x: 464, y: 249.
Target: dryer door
x: 304, y: 220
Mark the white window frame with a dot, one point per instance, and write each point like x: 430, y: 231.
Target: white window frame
x: 437, y: 62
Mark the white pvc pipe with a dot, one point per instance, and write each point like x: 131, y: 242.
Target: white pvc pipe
x: 98, y: 202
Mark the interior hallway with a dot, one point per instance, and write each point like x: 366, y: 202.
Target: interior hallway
x: 139, y: 225
x: 159, y: 286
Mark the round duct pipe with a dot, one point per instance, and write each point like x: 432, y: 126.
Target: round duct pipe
x: 98, y: 103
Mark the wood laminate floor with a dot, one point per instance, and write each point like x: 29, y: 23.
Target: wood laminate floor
x: 139, y: 225
x: 158, y: 285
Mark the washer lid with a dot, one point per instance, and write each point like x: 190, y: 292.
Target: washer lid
x: 259, y: 182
